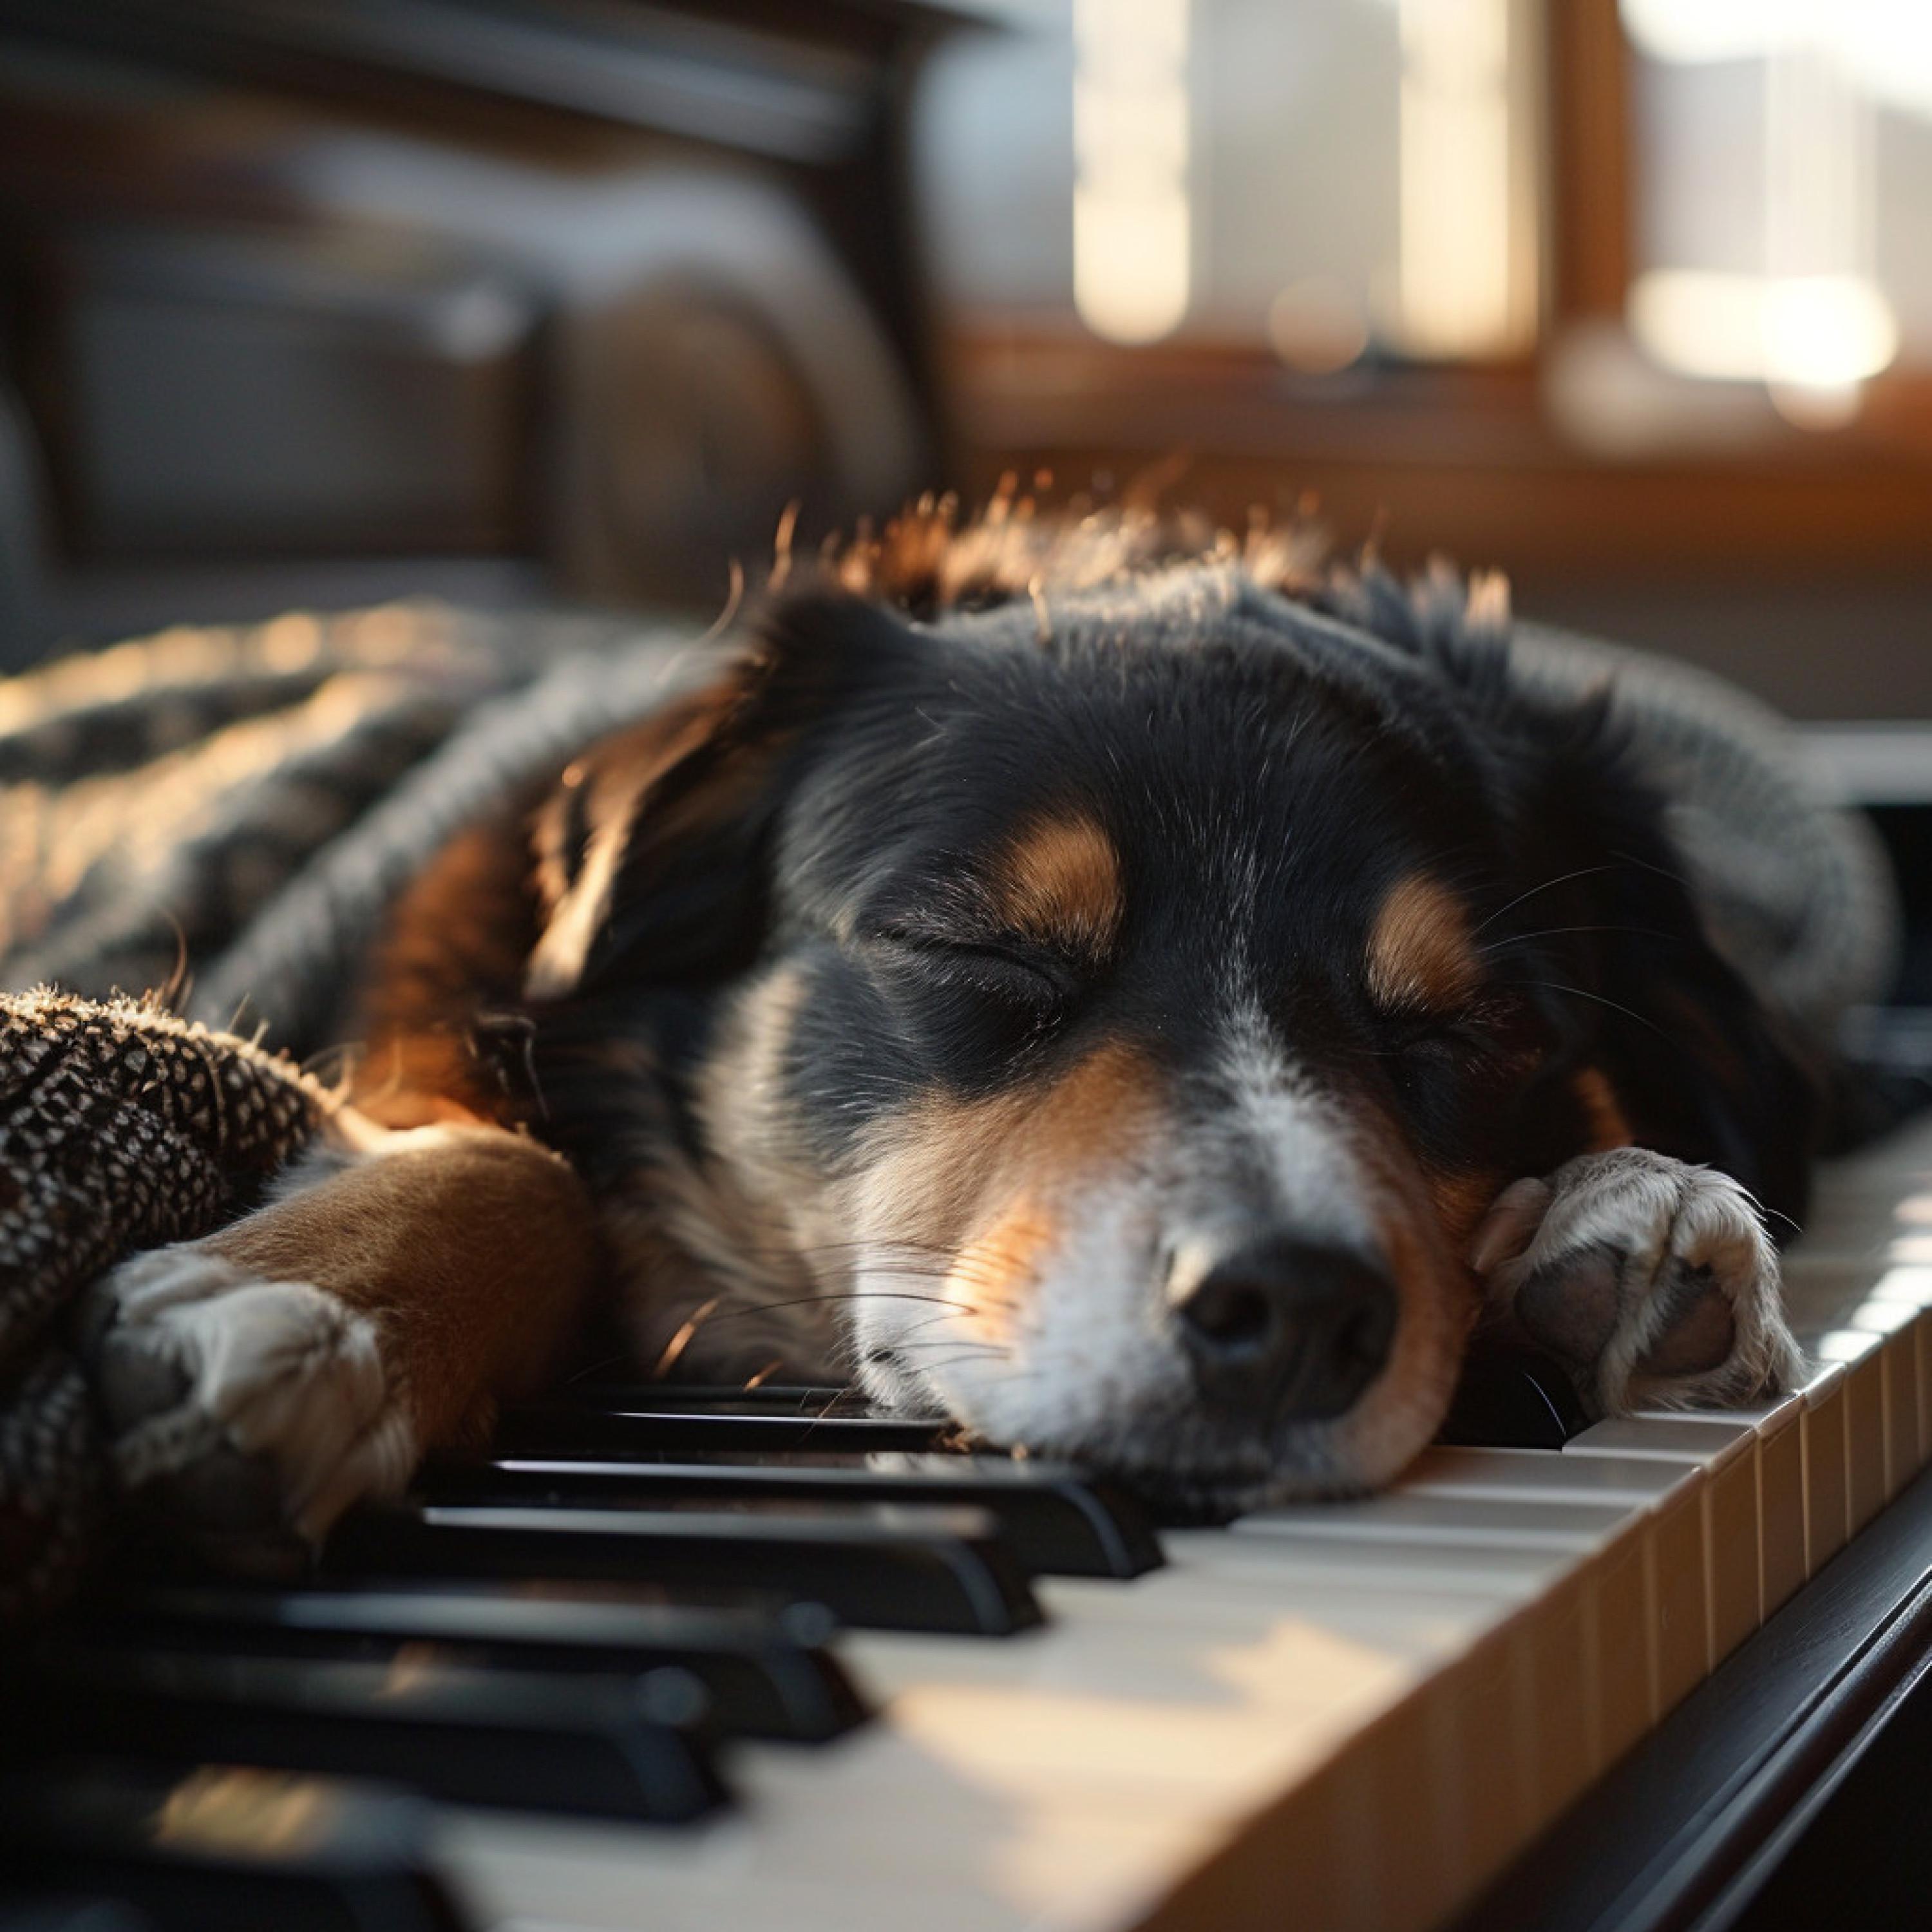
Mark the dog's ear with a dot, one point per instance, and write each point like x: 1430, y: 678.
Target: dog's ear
x: 1699, y: 1063
x: 649, y: 854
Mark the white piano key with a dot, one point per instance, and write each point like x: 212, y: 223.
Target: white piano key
x: 1519, y: 1522
x: 1463, y: 1686
x: 1530, y: 1474
x: 1899, y: 1307
x: 1189, y: 1646
x: 1608, y: 1609
x: 1908, y: 1283
x: 1726, y: 1449
x: 1779, y: 1481
x: 1780, y: 1500
x: 1471, y: 1686
x: 1631, y: 1612
x: 1862, y: 1355
x: 1251, y: 1559
x: 881, y: 1824
x: 1895, y: 1322
x: 1513, y: 1727
x: 1822, y: 1440
x: 1819, y: 1293
x: 1903, y: 1157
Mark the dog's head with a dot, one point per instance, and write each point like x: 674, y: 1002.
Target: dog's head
x: 1120, y: 1017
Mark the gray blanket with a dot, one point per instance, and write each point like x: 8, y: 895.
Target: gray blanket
x: 211, y: 822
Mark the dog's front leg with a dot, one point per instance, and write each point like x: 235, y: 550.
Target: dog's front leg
x: 1652, y: 1279
x: 258, y: 1381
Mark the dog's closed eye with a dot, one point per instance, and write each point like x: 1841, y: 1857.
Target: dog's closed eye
x: 998, y: 989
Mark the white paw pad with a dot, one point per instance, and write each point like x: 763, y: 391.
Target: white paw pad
x: 1653, y: 1280
x: 243, y: 1397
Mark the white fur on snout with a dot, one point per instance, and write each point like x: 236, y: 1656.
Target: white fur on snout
x: 1317, y: 1186
x: 1079, y: 1354
x: 1061, y: 1358
x: 1642, y: 1212
x: 273, y: 1369
x: 1272, y: 1125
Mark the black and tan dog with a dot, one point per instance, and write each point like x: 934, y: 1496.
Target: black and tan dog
x: 1114, y: 1003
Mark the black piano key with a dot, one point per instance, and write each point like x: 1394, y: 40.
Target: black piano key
x: 220, y: 1845
x: 582, y: 1744
x: 564, y: 1429
x: 1513, y: 1399
x: 890, y: 1568
x: 766, y: 1672
x: 1057, y: 1520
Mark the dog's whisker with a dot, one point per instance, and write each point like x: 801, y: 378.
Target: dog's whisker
x: 1558, y: 931
x: 812, y: 1301
x: 931, y: 1320
x: 1548, y: 886
x: 1582, y: 993
x: 681, y: 1340
x: 951, y: 1362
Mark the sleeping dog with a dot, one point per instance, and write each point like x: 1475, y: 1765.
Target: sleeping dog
x: 1106, y: 999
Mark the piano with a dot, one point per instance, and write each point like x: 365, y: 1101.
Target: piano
x: 747, y: 1660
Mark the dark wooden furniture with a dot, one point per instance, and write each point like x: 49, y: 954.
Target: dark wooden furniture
x: 313, y: 299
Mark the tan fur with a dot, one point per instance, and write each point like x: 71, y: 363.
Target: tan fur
x: 1610, y: 1125
x: 980, y: 1178
x: 930, y: 559
x: 1420, y: 950
x: 469, y: 1248
x: 1461, y: 1200
x: 616, y: 782
x: 1059, y: 882
x: 455, y: 944
x: 990, y: 1272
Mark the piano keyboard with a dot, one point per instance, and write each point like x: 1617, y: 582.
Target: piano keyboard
x: 685, y: 1660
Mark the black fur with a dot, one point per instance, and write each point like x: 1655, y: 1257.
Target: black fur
x: 1267, y: 774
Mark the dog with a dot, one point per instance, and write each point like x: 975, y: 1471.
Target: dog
x: 1150, y: 1007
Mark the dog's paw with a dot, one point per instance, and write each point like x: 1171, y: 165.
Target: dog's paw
x: 1653, y: 1279
x: 250, y: 1412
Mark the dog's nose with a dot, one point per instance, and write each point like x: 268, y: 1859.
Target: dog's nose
x: 1287, y: 1329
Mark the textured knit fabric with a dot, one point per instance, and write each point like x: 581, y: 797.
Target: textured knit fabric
x: 223, y: 814
x: 121, y: 1128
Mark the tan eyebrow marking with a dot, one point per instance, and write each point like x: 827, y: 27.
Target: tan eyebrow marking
x: 1608, y: 1125
x: 1420, y: 953
x: 1059, y: 881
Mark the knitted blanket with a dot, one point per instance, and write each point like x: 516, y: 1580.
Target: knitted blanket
x: 211, y: 822
x: 220, y: 818
x: 120, y: 1127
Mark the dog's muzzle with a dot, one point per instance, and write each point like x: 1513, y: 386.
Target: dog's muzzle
x: 1277, y: 1327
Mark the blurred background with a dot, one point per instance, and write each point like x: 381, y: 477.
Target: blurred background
x: 318, y: 302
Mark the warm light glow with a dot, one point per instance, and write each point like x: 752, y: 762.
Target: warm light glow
x: 1318, y: 326
x: 1815, y: 331
x: 1814, y: 325
x: 1886, y: 45
x: 233, y: 1808
x: 1132, y: 224
x: 1460, y: 277
x: 1707, y: 30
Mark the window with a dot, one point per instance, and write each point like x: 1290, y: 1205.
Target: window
x: 1335, y: 180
